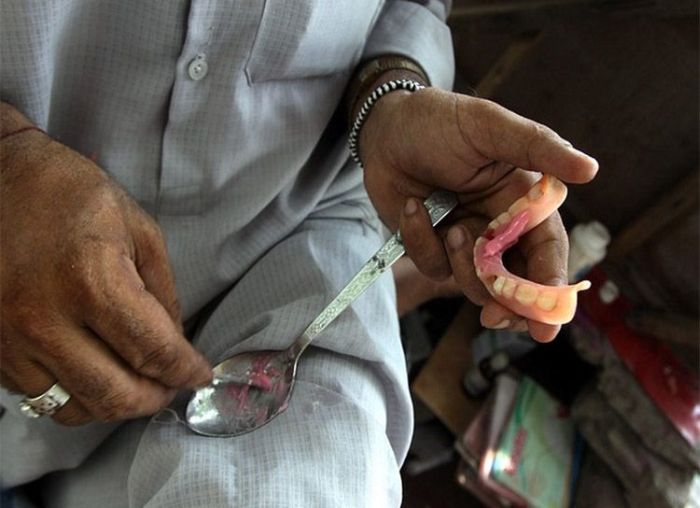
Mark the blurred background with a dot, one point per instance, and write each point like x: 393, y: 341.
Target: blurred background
x: 608, y: 414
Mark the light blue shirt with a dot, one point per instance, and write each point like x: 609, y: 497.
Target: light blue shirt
x: 221, y: 119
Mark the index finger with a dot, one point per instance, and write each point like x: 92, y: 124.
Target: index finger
x: 140, y: 330
x: 502, y: 135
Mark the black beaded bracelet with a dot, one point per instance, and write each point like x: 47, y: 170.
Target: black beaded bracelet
x: 389, y: 86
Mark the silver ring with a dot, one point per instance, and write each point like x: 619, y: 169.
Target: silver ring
x: 47, y: 403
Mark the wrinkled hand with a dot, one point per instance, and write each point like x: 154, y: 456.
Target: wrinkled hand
x: 413, y: 143
x: 88, y: 297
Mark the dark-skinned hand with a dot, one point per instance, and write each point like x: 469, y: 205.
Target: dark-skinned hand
x: 414, y: 143
x: 88, y: 297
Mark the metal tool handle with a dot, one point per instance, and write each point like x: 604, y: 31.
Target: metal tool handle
x: 439, y: 204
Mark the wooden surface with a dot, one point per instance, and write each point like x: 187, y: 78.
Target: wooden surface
x: 506, y: 64
x: 439, y: 384
x: 492, y: 13
x: 472, y: 8
x: 620, y: 87
x: 670, y: 208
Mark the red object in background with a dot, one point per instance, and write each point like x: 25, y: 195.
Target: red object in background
x: 672, y: 386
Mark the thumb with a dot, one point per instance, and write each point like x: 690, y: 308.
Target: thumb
x: 501, y: 135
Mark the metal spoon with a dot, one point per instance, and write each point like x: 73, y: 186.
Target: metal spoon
x: 250, y: 389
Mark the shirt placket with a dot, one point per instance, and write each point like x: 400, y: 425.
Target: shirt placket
x: 183, y: 170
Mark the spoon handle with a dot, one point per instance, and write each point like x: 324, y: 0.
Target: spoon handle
x: 439, y: 204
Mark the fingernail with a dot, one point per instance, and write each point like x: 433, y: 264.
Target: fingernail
x: 410, y: 208
x: 503, y: 324
x: 455, y: 238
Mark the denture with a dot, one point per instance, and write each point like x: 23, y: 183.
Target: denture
x: 548, y: 304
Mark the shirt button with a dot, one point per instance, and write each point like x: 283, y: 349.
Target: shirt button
x: 198, y: 68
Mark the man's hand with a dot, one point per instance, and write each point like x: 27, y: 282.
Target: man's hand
x: 413, y: 143
x: 88, y: 298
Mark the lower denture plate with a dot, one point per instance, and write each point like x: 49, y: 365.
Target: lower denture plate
x: 546, y: 304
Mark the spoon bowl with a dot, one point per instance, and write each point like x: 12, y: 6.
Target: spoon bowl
x: 250, y: 389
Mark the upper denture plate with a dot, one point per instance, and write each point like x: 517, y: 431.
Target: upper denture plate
x: 498, y: 284
x: 526, y: 294
x: 547, y: 300
x: 509, y: 288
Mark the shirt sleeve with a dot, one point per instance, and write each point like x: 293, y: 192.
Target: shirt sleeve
x: 416, y: 29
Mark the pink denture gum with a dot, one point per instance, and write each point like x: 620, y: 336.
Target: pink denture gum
x: 547, y: 304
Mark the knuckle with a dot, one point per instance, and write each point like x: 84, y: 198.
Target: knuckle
x: 117, y: 405
x: 539, y: 133
x: 35, y: 326
x: 97, y: 280
x: 538, y: 130
x: 72, y: 418
x: 104, y: 201
x: 88, y: 282
x: 153, y: 234
x: 94, y: 388
x: 484, y: 108
x: 163, y: 357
